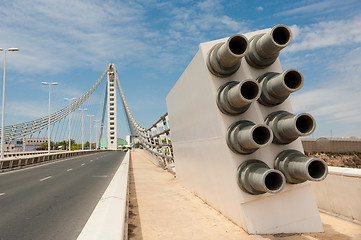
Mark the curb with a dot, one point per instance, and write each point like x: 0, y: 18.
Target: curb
x: 108, y: 220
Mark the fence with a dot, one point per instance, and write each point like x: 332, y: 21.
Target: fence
x: 331, y: 145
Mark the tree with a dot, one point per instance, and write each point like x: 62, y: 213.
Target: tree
x: 138, y: 145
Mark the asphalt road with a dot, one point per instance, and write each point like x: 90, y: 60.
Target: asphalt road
x: 54, y: 201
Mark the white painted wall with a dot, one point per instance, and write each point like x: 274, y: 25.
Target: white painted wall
x: 340, y: 192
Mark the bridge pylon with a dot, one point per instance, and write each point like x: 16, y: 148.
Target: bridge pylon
x: 112, y: 137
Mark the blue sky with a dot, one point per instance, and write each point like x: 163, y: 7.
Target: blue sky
x: 152, y: 42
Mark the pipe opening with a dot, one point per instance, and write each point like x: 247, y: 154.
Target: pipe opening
x: 281, y: 35
x: 316, y: 169
x: 238, y: 45
x: 273, y: 181
x: 305, y: 124
x: 293, y: 79
x: 261, y: 135
x: 249, y: 90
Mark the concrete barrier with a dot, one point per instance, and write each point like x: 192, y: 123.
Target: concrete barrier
x: 110, y: 216
x: 340, y: 192
x: 331, y: 145
x: 31, y: 159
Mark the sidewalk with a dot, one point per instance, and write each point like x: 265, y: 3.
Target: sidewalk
x: 161, y: 208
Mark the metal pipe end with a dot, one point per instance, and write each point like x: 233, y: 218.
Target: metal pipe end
x: 262, y: 135
x: 276, y: 87
x: 298, y: 168
x: 250, y: 90
x: 255, y: 177
x: 237, y: 45
x: 265, y: 48
x: 281, y: 35
x: 317, y: 169
x: 224, y: 59
x: 235, y: 98
x: 293, y: 79
x: 287, y: 127
x: 245, y: 137
x: 274, y: 181
x: 305, y: 124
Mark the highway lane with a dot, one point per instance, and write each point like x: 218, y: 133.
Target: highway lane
x: 54, y: 201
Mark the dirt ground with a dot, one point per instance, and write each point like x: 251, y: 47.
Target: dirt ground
x: 349, y: 160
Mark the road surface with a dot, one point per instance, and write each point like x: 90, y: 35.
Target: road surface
x: 54, y: 201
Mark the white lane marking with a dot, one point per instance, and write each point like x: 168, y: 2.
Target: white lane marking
x: 100, y: 176
x: 82, y: 164
x: 45, y: 178
x: 69, y: 169
x: 2, y: 194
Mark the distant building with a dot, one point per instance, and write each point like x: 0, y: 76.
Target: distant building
x: 120, y: 143
x: 31, y: 144
x: 13, y: 146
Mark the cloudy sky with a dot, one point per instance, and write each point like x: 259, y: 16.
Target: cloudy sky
x: 151, y: 43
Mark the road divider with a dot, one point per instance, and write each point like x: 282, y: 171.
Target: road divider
x: 110, y: 216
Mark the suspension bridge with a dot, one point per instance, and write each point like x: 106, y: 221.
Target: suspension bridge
x: 154, y: 139
x: 235, y: 144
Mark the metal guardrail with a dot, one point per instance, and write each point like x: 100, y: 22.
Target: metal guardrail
x: 155, y: 139
x: 15, y: 163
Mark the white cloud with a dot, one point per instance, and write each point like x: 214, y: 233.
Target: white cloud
x: 205, y: 17
x: 322, y: 7
x: 26, y: 109
x: 58, y: 35
x: 260, y: 8
x: 326, y: 34
x: 336, y: 99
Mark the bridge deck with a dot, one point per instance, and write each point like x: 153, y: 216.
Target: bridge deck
x: 160, y: 208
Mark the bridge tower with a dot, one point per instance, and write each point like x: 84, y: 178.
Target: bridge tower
x: 112, y: 138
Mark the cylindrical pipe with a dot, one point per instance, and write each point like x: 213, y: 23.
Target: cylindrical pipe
x: 245, y: 137
x: 297, y: 167
x: 255, y: 177
x: 265, y: 48
x: 287, y: 127
x: 235, y: 97
x: 276, y: 87
x: 224, y: 59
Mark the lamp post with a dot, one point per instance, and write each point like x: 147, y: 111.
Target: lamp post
x: 69, y: 99
x: 49, y: 83
x: 82, y: 127
x: 96, y: 134
x: 90, y: 129
x: 3, y: 106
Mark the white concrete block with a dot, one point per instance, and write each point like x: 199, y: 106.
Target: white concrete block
x: 206, y: 165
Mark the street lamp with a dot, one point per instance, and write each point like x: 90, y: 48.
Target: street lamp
x: 96, y: 135
x: 82, y: 127
x: 49, y: 83
x: 69, y: 99
x: 3, y: 109
x: 90, y: 129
